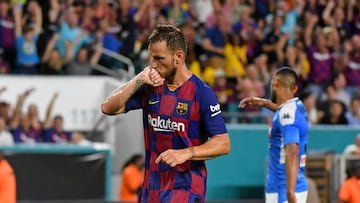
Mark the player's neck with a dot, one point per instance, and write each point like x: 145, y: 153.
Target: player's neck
x: 283, y: 98
x: 180, y: 78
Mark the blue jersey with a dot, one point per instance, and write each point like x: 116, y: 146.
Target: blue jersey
x: 177, y: 119
x: 289, y: 125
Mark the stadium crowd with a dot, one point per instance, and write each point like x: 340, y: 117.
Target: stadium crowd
x: 233, y: 45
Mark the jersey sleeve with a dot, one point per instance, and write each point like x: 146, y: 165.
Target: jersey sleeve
x: 136, y: 101
x: 211, y: 114
x: 289, y: 128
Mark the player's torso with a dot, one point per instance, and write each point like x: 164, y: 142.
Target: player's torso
x: 276, y: 169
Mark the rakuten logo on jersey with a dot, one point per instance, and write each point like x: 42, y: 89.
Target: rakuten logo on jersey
x: 215, y: 109
x: 165, y: 125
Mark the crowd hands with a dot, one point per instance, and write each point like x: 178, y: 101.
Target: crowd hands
x: 26, y: 127
x: 233, y: 45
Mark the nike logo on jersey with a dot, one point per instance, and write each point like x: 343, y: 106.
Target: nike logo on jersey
x: 153, y: 102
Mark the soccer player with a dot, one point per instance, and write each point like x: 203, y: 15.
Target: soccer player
x: 183, y: 124
x: 285, y: 181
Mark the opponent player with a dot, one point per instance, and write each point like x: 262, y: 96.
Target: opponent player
x: 183, y: 124
x: 285, y: 181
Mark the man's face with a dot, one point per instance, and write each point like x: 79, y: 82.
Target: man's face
x: 273, y: 89
x: 162, y: 59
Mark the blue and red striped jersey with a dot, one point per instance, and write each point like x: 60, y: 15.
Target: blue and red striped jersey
x: 176, y: 119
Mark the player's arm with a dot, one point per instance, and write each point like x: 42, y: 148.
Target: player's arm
x: 292, y: 164
x: 256, y: 101
x: 116, y: 101
x: 215, y: 146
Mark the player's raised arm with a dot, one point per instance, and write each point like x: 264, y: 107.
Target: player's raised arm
x: 116, y: 101
x: 256, y: 101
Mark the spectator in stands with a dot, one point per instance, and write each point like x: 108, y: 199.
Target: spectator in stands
x: 226, y: 94
x: 26, y: 39
x: 349, y: 190
x: 291, y: 9
x: 4, y: 65
x: 251, y: 86
x: 20, y: 125
x: 51, y: 62
x: 309, y: 102
x: 334, y: 16
x: 353, y: 149
x: 320, y: 55
x: 337, y: 88
x: 214, y: 41
x: 275, y: 41
x: 55, y: 133
x: 7, y: 31
x: 296, y: 58
x: 5, y: 136
x: 69, y: 31
x: 353, y: 115
x: 7, y: 181
x: 5, y: 112
x: 351, y: 63
x: 84, y: 62
x: 335, y: 115
x: 132, y: 178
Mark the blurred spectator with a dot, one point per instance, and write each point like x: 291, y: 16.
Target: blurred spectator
x: 352, y: 64
x: 235, y: 55
x: 20, y: 124
x: 337, y: 88
x: 132, y: 178
x: 251, y: 86
x: 203, y: 9
x: 5, y: 112
x: 26, y: 39
x: 349, y: 190
x: 309, y: 102
x: 55, y: 133
x: 297, y: 60
x: 4, y: 65
x: 7, y: 31
x: 275, y: 41
x: 226, y: 94
x: 335, y: 115
x: 5, y: 136
x: 7, y: 181
x: 334, y: 16
x: 291, y: 9
x: 214, y: 41
x: 320, y: 55
x: 51, y: 62
x: 69, y: 31
x: 84, y: 62
x: 353, y: 149
x: 353, y: 115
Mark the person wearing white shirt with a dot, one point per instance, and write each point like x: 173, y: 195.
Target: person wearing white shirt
x: 353, y: 149
x: 5, y: 136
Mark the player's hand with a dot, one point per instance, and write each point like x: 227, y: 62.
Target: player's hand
x: 152, y: 77
x: 173, y: 157
x: 252, y: 101
x: 291, y: 198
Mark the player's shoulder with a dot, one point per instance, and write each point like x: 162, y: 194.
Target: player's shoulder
x: 287, y: 112
x: 199, y: 84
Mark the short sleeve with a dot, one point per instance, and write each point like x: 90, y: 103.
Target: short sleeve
x: 212, y: 118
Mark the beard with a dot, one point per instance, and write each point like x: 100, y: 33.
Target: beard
x: 273, y: 96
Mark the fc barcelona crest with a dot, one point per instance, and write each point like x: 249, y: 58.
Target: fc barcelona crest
x: 182, y: 108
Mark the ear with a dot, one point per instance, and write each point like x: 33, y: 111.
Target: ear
x: 179, y: 57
